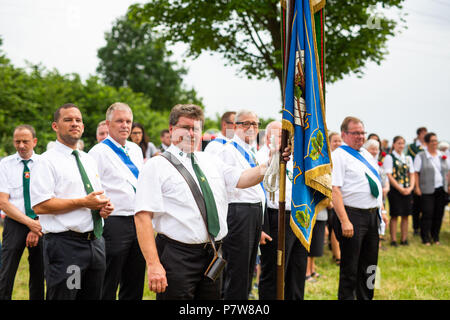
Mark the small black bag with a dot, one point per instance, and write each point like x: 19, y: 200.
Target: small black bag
x: 217, y: 264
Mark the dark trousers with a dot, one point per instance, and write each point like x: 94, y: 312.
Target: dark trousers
x: 433, y: 206
x: 295, y: 261
x: 416, y: 212
x: 359, y: 255
x: 14, y: 242
x: 74, y: 267
x: 185, y: 266
x: 125, y: 264
x: 240, y: 248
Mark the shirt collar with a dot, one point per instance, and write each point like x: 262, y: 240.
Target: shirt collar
x: 181, y: 155
x: 400, y: 156
x: 19, y: 158
x: 60, y: 147
x: 244, y: 144
x: 118, y: 144
x: 429, y: 156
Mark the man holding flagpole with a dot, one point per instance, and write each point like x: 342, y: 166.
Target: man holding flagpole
x: 119, y: 162
x: 357, y: 200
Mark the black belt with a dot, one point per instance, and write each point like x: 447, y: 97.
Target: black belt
x: 245, y: 204
x: 189, y: 245
x: 370, y: 210
x: 85, y: 236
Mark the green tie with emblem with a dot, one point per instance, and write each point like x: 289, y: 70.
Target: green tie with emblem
x: 98, y: 227
x: 211, y: 209
x: 26, y: 190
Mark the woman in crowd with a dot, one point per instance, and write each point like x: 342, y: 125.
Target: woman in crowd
x: 400, y: 172
x: 431, y: 167
x: 335, y: 141
x: 139, y: 137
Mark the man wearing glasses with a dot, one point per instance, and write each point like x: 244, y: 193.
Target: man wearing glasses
x: 357, y: 200
x: 226, y: 133
x: 245, y: 210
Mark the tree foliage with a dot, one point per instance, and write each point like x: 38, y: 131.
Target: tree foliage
x: 134, y: 57
x: 247, y: 33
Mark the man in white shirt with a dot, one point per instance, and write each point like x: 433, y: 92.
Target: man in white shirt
x: 66, y: 193
x: 226, y: 133
x: 21, y: 227
x: 119, y: 162
x: 245, y: 210
x: 357, y: 200
x: 182, y: 252
x: 102, y: 131
x: 164, y: 136
x: 295, y: 253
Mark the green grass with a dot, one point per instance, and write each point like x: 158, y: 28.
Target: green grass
x: 414, y: 272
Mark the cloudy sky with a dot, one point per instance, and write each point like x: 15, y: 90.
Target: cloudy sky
x: 411, y: 88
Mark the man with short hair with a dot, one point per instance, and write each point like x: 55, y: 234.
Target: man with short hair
x: 226, y: 133
x: 21, y: 228
x: 66, y: 194
x: 119, y: 163
x: 164, y: 136
x: 102, y: 131
x: 177, y: 260
x: 245, y: 210
x: 357, y: 200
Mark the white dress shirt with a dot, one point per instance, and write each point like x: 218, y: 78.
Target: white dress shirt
x: 163, y: 191
x: 214, y: 147
x: 263, y: 156
x: 349, y: 174
x: 436, y: 161
x: 56, y: 175
x: 11, y: 178
x: 117, y: 179
x: 231, y: 156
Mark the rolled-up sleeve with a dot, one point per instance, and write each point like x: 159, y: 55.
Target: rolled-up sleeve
x: 149, y: 195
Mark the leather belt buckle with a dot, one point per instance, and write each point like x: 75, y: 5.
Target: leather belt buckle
x: 90, y: 236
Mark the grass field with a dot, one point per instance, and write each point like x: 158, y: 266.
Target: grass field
x: 414, y: 272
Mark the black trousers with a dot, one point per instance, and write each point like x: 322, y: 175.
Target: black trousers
x: 240, y: 248
x: 185, y: 266
x: 359, y: 255
x: 125, y: 264
x: 295, y: 261
x: 416, y: 208
x: 74, y: 267
x: 433, y: 206
x: 14, y: 242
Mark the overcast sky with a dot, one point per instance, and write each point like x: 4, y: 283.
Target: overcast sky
x: 411, y: 88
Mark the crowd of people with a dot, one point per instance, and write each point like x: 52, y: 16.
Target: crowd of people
x: 195, y: 214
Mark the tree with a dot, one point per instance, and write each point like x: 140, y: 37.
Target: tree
x: 133, y: 57
x: 247, y: 33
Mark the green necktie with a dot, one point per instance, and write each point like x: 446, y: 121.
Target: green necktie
x: 26, y: 190
x: 373, y: 186
x: 98, y: 228
x: 211, y: 209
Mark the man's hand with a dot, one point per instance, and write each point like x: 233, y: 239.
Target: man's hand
x: 107, y: 210
x: 95, y: 200
x: 32, y: 240
x: 347, y: 229
x: 287, y: 154
x: 157, y: 281
x: 35, y: 227
x: 264, y: 237
x: 385, y: 218
x: 417, y: 191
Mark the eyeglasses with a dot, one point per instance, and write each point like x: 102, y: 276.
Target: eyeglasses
x: 248, y: 124
x: 229, y: 122
x: 189, y: 128
x: 357, y: 133
x: 136, y: 133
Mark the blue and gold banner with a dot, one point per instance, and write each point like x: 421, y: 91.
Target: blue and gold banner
x: 304, y: 118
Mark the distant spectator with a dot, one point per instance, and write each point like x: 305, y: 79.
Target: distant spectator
x: 335, y: 141
x: 102, y: 131
x: 164, y: 136
x: 139, y: 137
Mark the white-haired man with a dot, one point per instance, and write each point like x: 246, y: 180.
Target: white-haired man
x: 119, y: 163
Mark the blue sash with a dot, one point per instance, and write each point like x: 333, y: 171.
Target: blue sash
x: 358, y: 156
x: 123, y: 156
x: 247, y: 157
x: 220, y: 140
